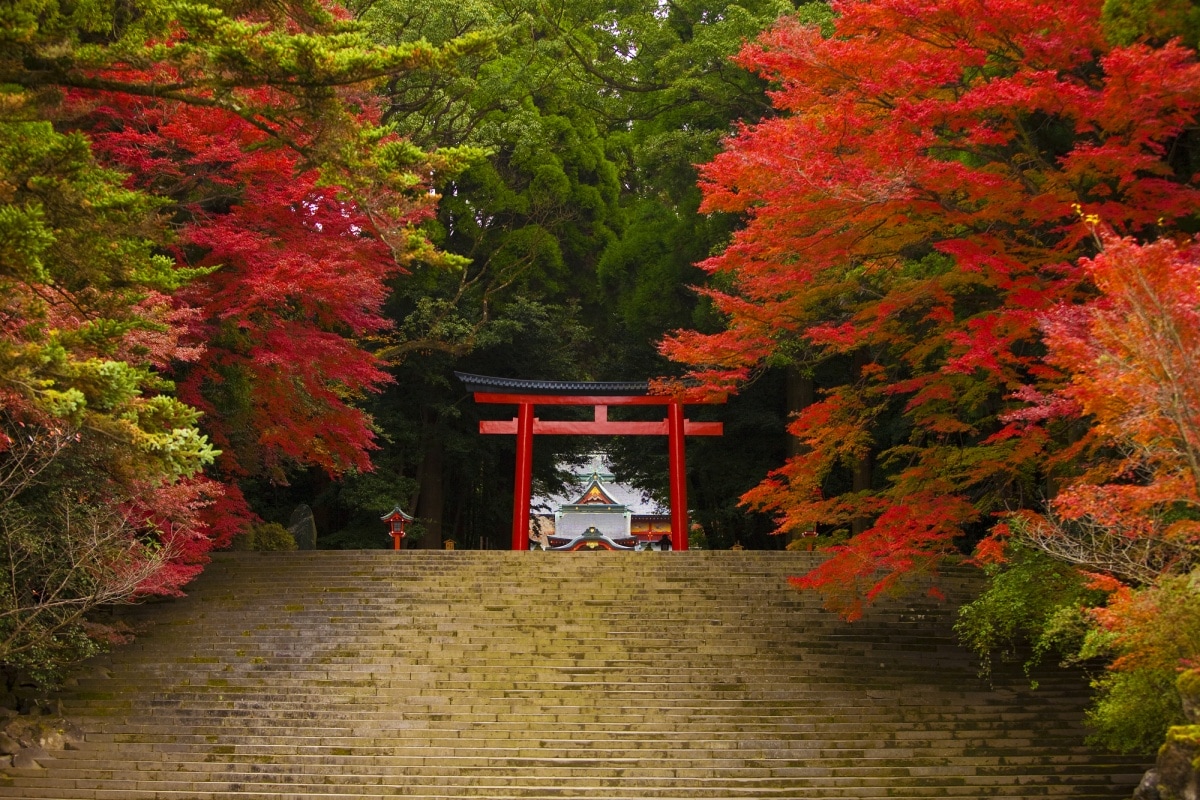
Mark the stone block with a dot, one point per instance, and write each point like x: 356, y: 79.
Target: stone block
x: 27, y: 757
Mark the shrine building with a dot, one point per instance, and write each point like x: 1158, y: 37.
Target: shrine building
x: 598, y: 512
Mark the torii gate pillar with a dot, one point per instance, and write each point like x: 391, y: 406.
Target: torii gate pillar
x: 523, y: 485
x: 676, y: 425
x: 527, y: 394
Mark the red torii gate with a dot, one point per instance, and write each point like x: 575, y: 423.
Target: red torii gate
x: 526, y: 394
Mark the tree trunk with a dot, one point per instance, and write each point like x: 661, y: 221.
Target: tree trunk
x: 800, y: 394
x: 862, y: 470
x: 862, y: 482
x: 432, y: 498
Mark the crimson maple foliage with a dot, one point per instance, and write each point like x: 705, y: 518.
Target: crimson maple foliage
x: 912, y: 213
x: 1130, y: 518
x: 299, y: 276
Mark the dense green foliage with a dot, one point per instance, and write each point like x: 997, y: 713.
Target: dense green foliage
x: 1158, y: 21
x: 578, y: 234
x: 1031, y: 600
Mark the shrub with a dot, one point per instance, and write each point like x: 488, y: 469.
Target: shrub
x: 1133, y: 709
x: 272, y: 536
x: 243, y: 540
x: 1031, y: 599
x: 1151, y: 634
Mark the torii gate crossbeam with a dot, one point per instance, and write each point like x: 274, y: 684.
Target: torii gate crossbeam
x: 527, y: 394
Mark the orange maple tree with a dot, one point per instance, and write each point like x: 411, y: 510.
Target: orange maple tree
x: 1132, y: 356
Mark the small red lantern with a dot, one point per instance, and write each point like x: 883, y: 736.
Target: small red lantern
x: 396, y: 520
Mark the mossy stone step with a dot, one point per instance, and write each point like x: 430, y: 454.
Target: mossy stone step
x: 439, y: 675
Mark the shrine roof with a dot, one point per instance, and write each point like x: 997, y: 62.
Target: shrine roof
x: 485, y: 383
x: 595, y: 493
x: 597, y: 472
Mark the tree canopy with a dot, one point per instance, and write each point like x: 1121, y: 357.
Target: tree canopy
x: 912, y: 213
x: 949, y: 227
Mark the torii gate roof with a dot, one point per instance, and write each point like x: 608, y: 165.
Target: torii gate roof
x: 489, y: 384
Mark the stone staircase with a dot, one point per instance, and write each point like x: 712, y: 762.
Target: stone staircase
x: 438, y: 675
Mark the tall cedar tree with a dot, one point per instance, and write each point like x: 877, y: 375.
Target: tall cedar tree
x: 912, y: 211
x: 595, y: 114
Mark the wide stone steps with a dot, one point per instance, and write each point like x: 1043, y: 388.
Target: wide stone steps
x: 604, y: 676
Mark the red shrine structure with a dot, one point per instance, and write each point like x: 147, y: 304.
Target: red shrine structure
x: 527, y: 394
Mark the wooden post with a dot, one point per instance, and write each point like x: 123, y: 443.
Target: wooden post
x: 523, y: 485
x: 675, y: 447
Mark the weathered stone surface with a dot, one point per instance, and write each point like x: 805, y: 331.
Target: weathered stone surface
x: 303, y: 527
x: 27, y: 757
x: 51, y: 740
x: 1189, y: 693
x: 467, y: 675
x: 43, y: 733
x: 1174, y: 775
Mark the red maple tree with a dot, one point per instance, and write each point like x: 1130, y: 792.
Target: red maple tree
x: 298, y: 278
x: 911, y: 214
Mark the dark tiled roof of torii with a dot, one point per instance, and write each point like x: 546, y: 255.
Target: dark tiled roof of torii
x: 484, y: 383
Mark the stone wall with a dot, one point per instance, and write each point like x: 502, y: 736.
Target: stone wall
x: 1175, y: 775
